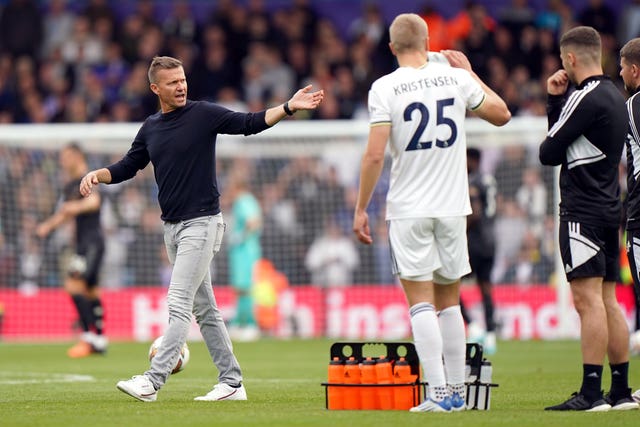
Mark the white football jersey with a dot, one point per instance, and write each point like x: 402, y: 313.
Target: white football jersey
x: 426, y: 109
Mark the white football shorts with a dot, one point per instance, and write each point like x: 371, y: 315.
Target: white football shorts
x: 430, y: 249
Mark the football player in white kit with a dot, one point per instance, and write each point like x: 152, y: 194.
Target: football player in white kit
x: 420, y: 109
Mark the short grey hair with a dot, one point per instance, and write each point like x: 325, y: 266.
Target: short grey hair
x: 631, y: 51
x: 162, y: 63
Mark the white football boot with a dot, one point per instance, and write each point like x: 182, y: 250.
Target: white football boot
x: 224, y: 392
x: 140, y: 387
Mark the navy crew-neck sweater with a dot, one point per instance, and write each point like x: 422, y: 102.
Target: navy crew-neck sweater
x: 181, y: 146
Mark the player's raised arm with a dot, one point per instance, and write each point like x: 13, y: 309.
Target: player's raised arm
x: 303, y: 99
x: 493, y: 108
x: 558, y: 83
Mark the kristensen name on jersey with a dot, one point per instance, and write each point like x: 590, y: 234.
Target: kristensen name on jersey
x: 421, y: 84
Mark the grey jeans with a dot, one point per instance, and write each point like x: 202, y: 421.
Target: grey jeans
x: 191, y: 245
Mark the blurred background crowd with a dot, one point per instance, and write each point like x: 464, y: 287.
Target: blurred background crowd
x: 86, y: 61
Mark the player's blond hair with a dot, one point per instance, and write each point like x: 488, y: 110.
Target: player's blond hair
x: 631, y: 51
x: 408, y: 32
x: 162, y: 63
x: 584, y: 42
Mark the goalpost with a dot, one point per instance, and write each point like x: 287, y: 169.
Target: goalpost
x: 305, y: 175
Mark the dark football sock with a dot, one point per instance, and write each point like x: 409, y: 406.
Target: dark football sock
x: 98, y: 315
x: 591, y: 382
x: 487, y: 303
x: 84, y: 311
x: 465, y: 313
x: 620, y: 379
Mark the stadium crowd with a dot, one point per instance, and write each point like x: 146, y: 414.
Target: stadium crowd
x: 70, y: 62
x: 65, y: 61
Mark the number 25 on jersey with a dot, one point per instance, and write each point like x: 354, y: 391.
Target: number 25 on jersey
x: 424, y: 116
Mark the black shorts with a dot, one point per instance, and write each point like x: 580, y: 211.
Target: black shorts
x: 481, y: 267
x: 590, y: 251
x: 633, y: 254
x: 86, y: 263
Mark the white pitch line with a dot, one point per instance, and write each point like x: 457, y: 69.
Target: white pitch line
x: 17, y: 378
x: 249, y: 380
x: 278, y: 380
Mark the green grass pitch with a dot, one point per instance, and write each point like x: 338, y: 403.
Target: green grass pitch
x: 40, y: 386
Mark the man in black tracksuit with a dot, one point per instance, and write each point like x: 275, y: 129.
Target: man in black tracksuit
x: 180, y: 142
x: 630, y: 73
x: 586, y: 134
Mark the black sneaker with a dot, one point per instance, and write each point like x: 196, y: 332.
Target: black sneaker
x: 577, y: 402
x: 621, y: 403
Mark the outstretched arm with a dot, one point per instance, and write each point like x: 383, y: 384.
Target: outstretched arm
x: 303, y: 99
x: 94, y: 178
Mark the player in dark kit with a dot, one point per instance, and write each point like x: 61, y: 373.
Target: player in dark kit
x: 587, y: 129
x: 481, y: 243
x: 630, y: 73
x: 84, y: 266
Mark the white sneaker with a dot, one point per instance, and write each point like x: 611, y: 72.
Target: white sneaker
x: 224, y: 392
x: 249, y: 333
x: 140, y: 387
x: 636, y: 396
x: 234, y: 332
x: 475, y: 333
x: 490, y: 345
x: 100, y: 343
x: 432, y: 406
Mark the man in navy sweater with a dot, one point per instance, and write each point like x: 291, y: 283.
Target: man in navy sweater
x: 180, y: 141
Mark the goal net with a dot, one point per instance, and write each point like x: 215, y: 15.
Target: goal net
x: 305, y: 177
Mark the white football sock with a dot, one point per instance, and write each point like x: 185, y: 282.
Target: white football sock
x: 454, y: 344
x: 428, y: 342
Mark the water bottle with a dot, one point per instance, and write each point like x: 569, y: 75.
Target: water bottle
x: 368, y: 376
x: 403, y: 394
x: 484, y: 396
x: 336, y: 376
x: 384, y: 373
x: 351, y: 376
